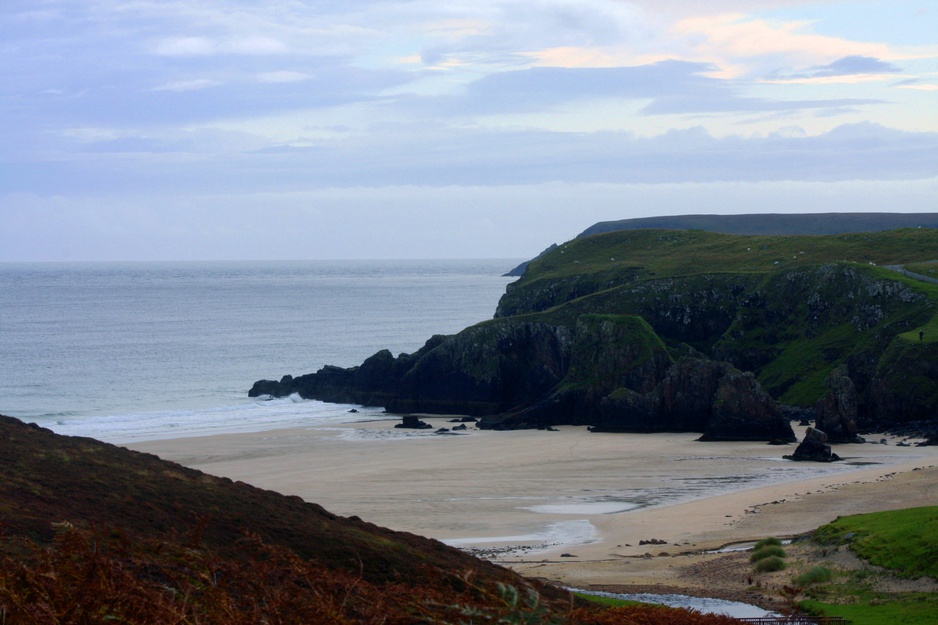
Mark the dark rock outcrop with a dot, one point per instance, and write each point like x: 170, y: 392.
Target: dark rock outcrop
x: 485, y: 369
x: 903, y: 385
x: 804, y: 415
x: 611, y: 372
x: 698, y: 395
x: 410, y: 422
x: 694, y: 396
x: 686, y: 394
x: 836, y: 412
x: 616, y: 351
x: 814, y: 448
x: 625, y: 410
x: 743, y: 411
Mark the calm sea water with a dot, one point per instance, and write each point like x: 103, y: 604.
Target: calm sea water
x: 131, y: 351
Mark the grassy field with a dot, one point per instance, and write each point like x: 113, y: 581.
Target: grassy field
x: 911, y: 610
x: 663, y: 253
x: 904, y: 542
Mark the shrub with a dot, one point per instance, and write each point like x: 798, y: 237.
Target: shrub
x: 768, y: 542
x: 817, y: 575
x: 767, y: 552
x: 769, y: 565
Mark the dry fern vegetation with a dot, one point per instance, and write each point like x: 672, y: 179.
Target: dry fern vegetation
x: 94, y: 533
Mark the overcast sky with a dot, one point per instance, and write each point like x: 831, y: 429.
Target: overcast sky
x: 287, y: 129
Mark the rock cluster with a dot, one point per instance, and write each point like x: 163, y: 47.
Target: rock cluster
x: 814, y: 448
x: 410, y: 422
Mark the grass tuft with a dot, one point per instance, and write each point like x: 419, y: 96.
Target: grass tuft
x: 769, y: 551
x: 770, y: 564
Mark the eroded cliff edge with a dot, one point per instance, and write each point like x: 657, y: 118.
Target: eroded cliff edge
x: 660, y: 330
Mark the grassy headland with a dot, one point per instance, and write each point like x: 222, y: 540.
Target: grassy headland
x: 789, y: 308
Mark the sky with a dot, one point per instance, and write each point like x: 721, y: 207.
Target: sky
x: 294, y: 129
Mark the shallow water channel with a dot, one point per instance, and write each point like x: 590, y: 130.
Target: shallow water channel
x: 705, y: 605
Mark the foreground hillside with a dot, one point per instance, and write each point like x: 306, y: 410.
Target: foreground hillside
x: 49, y: 478
x: 149, y: 525
x: 682, y: 330
x: 92, y: 533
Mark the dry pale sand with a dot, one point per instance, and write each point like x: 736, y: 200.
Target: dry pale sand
x: 571, y: 506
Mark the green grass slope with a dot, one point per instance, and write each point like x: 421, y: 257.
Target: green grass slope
x: 775, y: 223
x: 604, y: 260
x: 902, y: 541
x: 905, y: 541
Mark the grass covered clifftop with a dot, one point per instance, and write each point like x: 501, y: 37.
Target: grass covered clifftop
x: 590, y: 264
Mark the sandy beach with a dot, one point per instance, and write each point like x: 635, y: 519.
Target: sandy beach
x: 570, y: 506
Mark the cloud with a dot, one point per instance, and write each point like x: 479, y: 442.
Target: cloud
x: 185, y: 46
x: 202, y: 93
x: 131, y: 98
x: 408, y: 155
x: 671, y: 88
x: 915, y: 84
x: 747, y: 42
x: 440, y: 157
x: 281, y: 76
x: 254, y: 46
x: 541, y: 87
x: 920, y: 87
x: 203, y: 46
x: 396, y: 222
x: 189, y: 85
x: 855, y: 64
x: 847, y: 70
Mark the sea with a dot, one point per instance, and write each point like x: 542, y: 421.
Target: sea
x: 125, y: 352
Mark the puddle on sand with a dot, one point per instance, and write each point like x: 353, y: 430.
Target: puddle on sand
x: 563, y: 533
x: 585, y: 507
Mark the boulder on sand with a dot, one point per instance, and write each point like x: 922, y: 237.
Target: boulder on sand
x: 411, y: 422
x: 814, y: 448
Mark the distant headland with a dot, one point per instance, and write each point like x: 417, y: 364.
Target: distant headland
x: 664, y: 324
x: 770, y: 223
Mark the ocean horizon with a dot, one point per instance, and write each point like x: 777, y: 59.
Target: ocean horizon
x: 127, y: 351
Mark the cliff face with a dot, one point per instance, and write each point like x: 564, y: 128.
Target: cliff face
x: 683, y: 331
x: 528, y: 374
x: 904, y: 384
x: 837, y: 410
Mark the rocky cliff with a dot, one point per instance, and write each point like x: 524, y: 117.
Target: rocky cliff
x: 658, y: 330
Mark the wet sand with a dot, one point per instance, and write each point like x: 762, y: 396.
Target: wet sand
x: 570, y: 506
